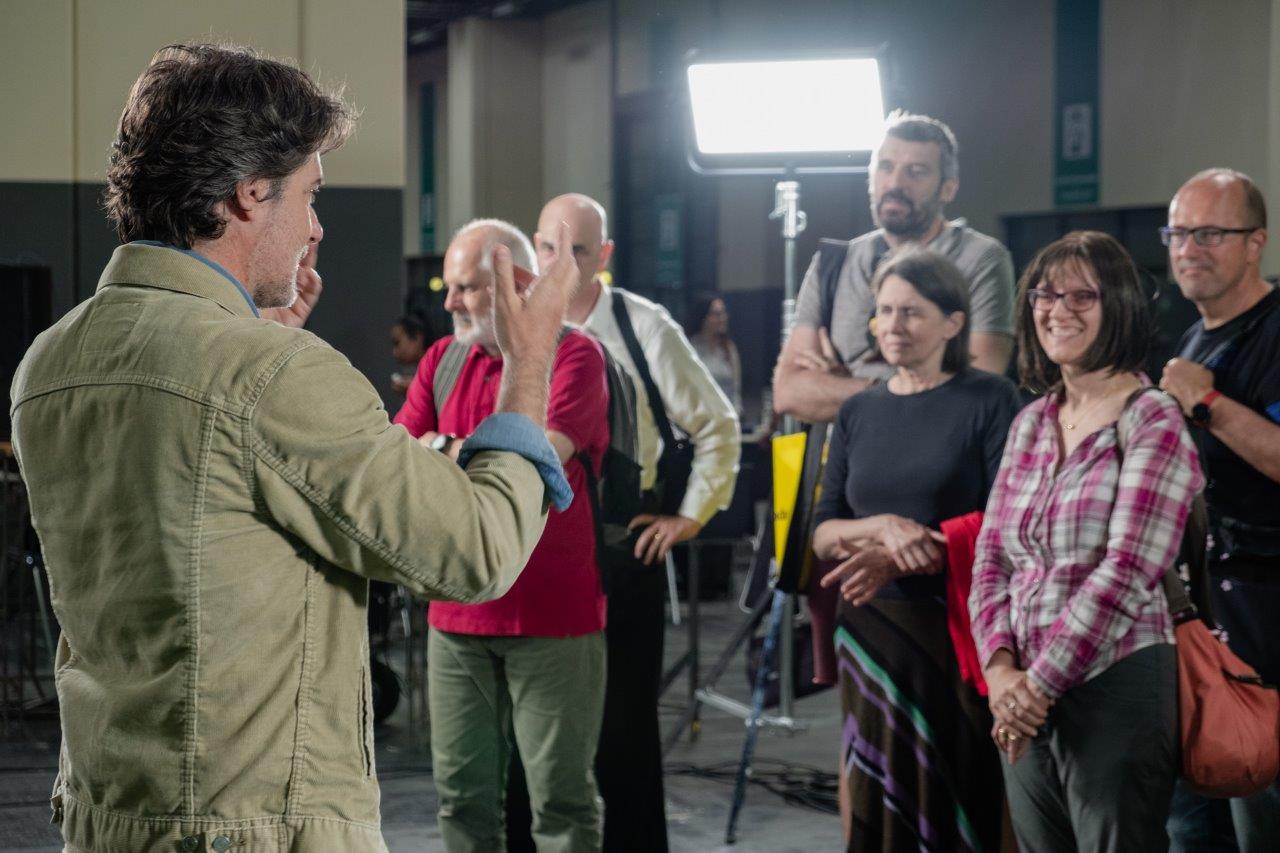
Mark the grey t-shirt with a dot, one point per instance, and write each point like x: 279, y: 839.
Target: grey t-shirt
x: 982, y: 259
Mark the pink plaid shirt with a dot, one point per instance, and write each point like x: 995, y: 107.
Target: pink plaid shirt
x: 1071, y: 552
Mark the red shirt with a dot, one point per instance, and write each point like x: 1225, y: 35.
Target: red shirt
x: 558, y: 594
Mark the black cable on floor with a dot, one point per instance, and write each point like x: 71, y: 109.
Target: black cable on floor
x: 796, y: 784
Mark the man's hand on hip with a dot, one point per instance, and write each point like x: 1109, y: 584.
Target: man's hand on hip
x: 658, y: 533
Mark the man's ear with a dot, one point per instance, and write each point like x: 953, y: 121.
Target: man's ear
x: 248, y: 200
x: 1257, y: 242
x: 606, y: 252
x: 947, y: 192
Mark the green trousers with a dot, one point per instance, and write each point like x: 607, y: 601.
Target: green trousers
x: 549, y: 692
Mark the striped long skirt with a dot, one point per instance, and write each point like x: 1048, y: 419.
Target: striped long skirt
x: 917, y: 755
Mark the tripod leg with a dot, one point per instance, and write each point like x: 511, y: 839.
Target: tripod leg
x: 780, y: 603
x: 722, y: 664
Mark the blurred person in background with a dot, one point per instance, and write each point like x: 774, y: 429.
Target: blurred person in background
x: 408, y: 346
x: 708, y: 330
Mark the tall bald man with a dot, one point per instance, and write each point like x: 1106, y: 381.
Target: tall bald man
x: 1227, y: 379
x: 629, y: 763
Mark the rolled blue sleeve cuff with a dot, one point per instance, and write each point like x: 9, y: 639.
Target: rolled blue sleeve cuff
x: 512, y: 433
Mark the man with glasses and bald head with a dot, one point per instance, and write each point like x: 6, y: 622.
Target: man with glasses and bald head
x: 1227, y: 379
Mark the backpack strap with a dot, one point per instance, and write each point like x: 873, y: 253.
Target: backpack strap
x: 448, y: 369
x: 831, y: 257
x: 1219, y: 356
x: 659, y: 409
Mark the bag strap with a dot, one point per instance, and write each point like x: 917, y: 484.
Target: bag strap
x: 1192, y: 548
x: 831, y: 258
x: 1215, y: 357
x: 623, y: 318
x: 448, y: 369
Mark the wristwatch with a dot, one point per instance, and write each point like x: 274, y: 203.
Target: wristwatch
x: 1200, y: 413
x: 441, y: 441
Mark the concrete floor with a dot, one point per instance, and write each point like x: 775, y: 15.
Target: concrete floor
x: 699, y: 780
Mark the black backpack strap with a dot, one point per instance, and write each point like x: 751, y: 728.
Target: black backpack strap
x: 659, y: 409
x: 1219, y: 357
x: 448, y: 369
x: 831, y: 258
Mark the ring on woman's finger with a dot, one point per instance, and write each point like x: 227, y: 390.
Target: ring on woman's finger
x: 1011, y: 736
x: 1011, y: 705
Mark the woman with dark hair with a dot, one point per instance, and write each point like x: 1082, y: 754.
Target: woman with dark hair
x: 1070, y: 621
x: 917, y: 772
x: 708, y: 330
x: 408, y: 346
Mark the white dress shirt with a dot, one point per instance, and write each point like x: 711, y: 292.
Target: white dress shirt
x: 694, y: 402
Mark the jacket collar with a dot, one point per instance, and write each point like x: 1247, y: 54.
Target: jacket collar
x: 158, y: 265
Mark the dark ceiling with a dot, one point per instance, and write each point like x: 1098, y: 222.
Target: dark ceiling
x: 427, y: 21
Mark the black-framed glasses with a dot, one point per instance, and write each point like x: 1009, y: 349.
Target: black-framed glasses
x: 1078, y: 301
x: 1207, y: 236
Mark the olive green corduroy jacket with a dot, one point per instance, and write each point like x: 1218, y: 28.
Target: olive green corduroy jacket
x: 212, y: 492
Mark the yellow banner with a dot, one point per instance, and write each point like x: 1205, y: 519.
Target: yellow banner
x: 788, y: 462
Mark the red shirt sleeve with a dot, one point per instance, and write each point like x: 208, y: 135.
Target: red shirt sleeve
x: 578, y: 405
x: 418, y: 414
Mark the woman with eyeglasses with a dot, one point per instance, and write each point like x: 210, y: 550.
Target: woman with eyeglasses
x: 917, y: 771
x: 1071, y: 624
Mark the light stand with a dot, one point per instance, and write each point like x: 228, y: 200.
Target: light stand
x: 819, y: 114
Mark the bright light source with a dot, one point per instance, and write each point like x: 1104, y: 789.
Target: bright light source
x: 799, y: 106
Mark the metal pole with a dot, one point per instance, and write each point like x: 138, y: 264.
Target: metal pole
x: 786, y: 207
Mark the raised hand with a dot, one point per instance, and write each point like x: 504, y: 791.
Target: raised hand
x: 526, y: 322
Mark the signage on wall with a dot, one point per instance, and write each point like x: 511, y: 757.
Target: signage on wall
x: 1075, y: 162
x: 427, y: 183
x: 668, y: 256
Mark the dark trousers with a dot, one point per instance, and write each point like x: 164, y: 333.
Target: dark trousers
x: 1246, y: 601
x: 629, y: 758
x: 1100, y: 774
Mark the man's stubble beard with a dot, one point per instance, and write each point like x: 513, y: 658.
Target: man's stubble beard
x: 275, y: 291
x: 916, y: 225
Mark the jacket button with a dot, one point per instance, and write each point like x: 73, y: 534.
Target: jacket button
x: 221, y: 844
x: 190, y: 842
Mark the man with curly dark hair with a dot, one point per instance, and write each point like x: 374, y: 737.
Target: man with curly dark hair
x: 213, y: 487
